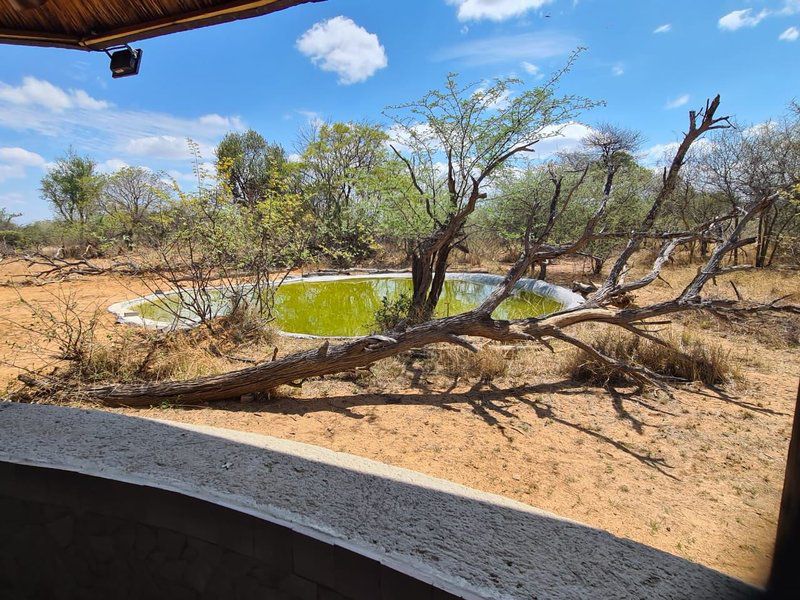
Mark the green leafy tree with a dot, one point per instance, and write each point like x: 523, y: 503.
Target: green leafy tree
x: 250, y: 165
x: 216, y: 251
x: 455, y: 141
x: 10, y: 235
x: 73, y: 187
x: 7, y: 218
x: 346, y: 169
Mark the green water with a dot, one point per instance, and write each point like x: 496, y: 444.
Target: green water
x: 346, y: 307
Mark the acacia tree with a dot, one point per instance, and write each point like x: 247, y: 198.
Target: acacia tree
x: 604, y: 161
x: 746, y: 163
x: 7, y: 218
x: 72, y: 187
x: 128, y: 198
x: 8, y: 234
x: 219, y: 255
x: 345, y: 169
x: 453, y: 142
x: 250, y: 166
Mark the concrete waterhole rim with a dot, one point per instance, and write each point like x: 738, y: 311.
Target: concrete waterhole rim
x: 126, y: 315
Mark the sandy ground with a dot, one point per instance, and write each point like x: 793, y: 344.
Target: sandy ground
x: 698, y: 475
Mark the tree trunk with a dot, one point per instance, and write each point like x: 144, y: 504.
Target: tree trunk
x: 542, y: 271
x: 761, y: 242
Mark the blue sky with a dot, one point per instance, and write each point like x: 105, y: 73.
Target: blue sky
x: 650, y: 60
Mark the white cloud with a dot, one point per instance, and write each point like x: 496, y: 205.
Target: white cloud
x: 554, y: 138
x: 405, y: 138
x: 742, y: 18
x: 168, y: 147
x: 208, y: 171
x: 219, y: 122
x: 501, y: 102
x: 21, y: 157
x: 681, y: 100
x: 37, y: 93
x: 790, y: 7
x: 617, y: 70
x: 84, y: 121
x: 562, y: 138
x: 340, y: 46
x: 43, y: 94
x: 112, y: 165
x: 532, y: 69
x: 494, y: 10
x: 313, y: 118
x: 659, y: 154
x: 665, y: 28
x: 15, y: 161
x: 662, y: 154
x: 511, y: 48
x: 790, y: 35
x: 84, y: 100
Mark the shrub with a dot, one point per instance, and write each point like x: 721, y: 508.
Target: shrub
x: 345, y: 246
x: 392, y: 312
x: 685, y: 358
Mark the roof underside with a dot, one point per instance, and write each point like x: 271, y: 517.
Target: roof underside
x: 99, y: 24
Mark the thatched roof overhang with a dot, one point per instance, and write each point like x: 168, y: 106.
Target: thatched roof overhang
x: 100, y: 24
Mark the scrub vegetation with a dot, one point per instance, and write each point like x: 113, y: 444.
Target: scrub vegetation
x: 455, y: 172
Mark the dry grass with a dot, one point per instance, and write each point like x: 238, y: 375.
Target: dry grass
x: 486, y: 364
x: 81, y: 351
x: 686, y: 357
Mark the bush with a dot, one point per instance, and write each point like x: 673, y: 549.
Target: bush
x: 346, y: 245
x: 11, y: 238
x: 392, y: 312
x: 686, y: 358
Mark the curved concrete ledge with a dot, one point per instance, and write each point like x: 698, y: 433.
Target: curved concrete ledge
x: 126, y: 315
x: 468, y: 543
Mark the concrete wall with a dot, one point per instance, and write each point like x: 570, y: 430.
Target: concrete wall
x: 68, y: 535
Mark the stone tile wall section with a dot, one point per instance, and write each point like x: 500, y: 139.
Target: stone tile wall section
x: 67, y: 535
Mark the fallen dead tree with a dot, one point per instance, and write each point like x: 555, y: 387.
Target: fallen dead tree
x: 55, y: 269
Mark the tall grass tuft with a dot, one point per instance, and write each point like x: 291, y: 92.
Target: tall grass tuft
x: 486, y: 364
x: 686, y: 358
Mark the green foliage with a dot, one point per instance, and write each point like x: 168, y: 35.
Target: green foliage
x: 527, y: 192
x: 7, y: 218
x: 12, y: 238
x: 392, y: 312
x: 250, y: 166
x: 72, y: 187
x: 221, y: 250
x: 350, y: 243
x: 346, y: 175
x: 10, y: 235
